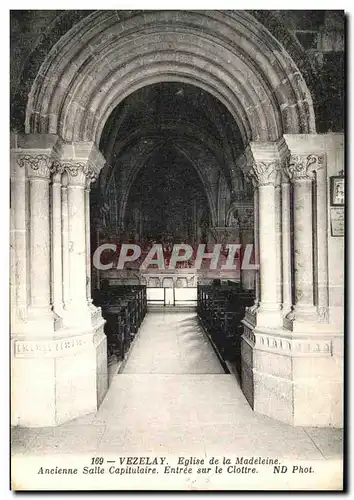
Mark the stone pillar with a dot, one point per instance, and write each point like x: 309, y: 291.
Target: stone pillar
x: 59, y: 366
x: 292, y: 370
x: 65, y: 242
x: 265, y: 172
x: 38, y: 167
x: 88, y: 243
x: 81, y: 169
x: 57, y: 243
x: 278, y: 233
x: 320, y: 173
x: 263, y: 321
x: 79, y: 312
x: 18, y: 244
x: 301, y: 177
x: 256, y: 245
x: 265, y: 177
x: 286, y: 243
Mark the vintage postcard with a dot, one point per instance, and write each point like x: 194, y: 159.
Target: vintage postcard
x: 177, y: 249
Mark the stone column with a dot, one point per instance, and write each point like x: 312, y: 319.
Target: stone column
x: 88, y: 243
x: 81, y: 166
x: 265, y: 175
x: 57, y: 242
x: 301, y: 178
x: 256, y: 245
x: 292, y: 370
x: 266, y: 178
x: 60, y: 366
x: 79, y: 312
x: 38, y: 168
x: 65, y: 242
x: 278, y: 231
x: 18, y: 243
x: 286, y: 243
x: 320, y: 171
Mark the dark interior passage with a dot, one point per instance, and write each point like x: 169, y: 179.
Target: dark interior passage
x: 167, y: 201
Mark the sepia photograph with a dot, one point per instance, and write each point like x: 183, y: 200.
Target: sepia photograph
x: 177, y: 250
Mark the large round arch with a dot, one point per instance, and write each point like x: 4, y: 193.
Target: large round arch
x: 229, y: 54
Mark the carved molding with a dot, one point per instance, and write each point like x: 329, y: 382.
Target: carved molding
x: 295, y: 346
x: 302, y: 167
x: 51, y: 348
x: 249, y: 335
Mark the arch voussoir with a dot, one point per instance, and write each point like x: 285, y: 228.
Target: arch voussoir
x: 223, y: 53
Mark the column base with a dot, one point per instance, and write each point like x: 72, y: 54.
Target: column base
x: 300, y: 318
x: 81, y: 316
x: 306, y: 321
x: 293, y: 378
x: 264, y: 315
x: 59, y: 378
x: 40, y: 321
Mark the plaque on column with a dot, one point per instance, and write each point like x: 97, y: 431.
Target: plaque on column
x: 337, y: 221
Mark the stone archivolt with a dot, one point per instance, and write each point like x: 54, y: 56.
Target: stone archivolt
x: 108, y: 60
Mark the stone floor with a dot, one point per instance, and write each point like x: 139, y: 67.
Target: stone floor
x: 174, y: 397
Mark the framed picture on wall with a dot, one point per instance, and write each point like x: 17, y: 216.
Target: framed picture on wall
x: 337, y: 191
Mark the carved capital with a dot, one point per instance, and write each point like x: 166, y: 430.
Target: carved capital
x: 79, y: 173
x: 57, y: 171
x: 76, y: 172
x: 57, y: 167
x: 302, y: 167
x: 37, y: 165
x: 265, y: 173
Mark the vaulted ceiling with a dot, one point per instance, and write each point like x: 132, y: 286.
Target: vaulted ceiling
x: 159, y: 118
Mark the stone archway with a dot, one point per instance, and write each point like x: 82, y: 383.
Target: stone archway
x: 231, y: 55
x: 91, y: 69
